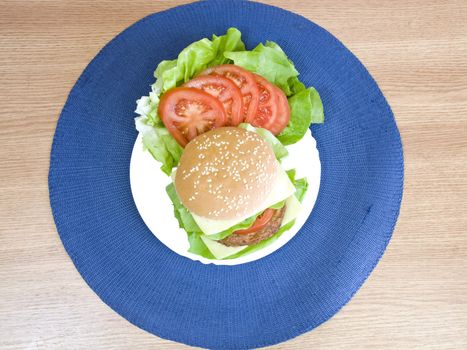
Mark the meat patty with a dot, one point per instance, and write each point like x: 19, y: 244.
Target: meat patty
x: 235, y: 240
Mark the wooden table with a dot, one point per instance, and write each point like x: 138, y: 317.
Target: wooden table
x: 417, y: 296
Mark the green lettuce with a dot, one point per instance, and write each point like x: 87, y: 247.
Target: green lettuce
x: 305, y: 108
x: 198, y: 247
x: 271, y: 62
x: 278, y: 205
x: 195, y: 58
x: 301, y: 185
x: 158, y: 141
x: 231, y: 41
x: 184, y: 217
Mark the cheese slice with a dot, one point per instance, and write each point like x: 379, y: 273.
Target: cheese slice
x: 219, y: 250
x: 283, y: 188
x: 292, y: 209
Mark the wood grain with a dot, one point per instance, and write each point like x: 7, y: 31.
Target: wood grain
x: 417, y: 296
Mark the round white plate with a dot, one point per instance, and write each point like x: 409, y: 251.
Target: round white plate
x: 148, y: 184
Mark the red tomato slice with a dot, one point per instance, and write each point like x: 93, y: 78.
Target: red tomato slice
x: 267, y: 107
x: 261, y: 221
x: 188, y: 112
x: 273, y: 110
x: 225, y: 91
x: 245, y: 81
x: 283, y: 110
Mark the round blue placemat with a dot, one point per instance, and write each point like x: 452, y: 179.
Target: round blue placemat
x: 225, y: 307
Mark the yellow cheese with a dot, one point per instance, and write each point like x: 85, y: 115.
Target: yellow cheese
x: 292, y: 209
x: 219, y: 250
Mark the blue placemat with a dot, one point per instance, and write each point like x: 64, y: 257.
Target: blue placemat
x: 256, y: 304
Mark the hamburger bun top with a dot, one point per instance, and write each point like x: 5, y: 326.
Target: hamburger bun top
x: 226, y: 173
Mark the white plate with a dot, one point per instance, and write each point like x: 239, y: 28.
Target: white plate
x: 148, y: 184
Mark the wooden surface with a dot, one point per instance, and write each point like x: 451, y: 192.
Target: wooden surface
x: 417, y: 296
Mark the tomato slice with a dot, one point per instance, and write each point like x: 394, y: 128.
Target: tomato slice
x: 225, y: 91
x: 188, y: 112
x: 246, y: 83
x: 273, y: 110
x: 267, y: 107
x: 283, y: 113
x: 261, y: 221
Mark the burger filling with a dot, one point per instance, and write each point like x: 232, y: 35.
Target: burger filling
x: 251, y: 237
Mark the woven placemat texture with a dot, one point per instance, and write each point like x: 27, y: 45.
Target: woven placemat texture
x: 225, y: 307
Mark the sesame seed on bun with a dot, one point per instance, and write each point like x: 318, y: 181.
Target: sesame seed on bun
x: 226, y: 173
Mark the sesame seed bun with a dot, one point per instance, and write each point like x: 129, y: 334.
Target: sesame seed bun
x: 226, y: 173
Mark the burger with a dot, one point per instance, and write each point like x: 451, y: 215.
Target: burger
x: 231, y: 185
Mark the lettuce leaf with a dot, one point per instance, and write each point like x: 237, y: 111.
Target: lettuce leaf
x: 158, y: 141
x: 301, y: 185
x: 305, y: 108
x: 278, y: 205
x: 231, y: 41
x: 146, y: 107
x: 184, y: 217
x: 198, y: 247
x: 279, y: 150
x: 269, y: 61
x: 195, y: 58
